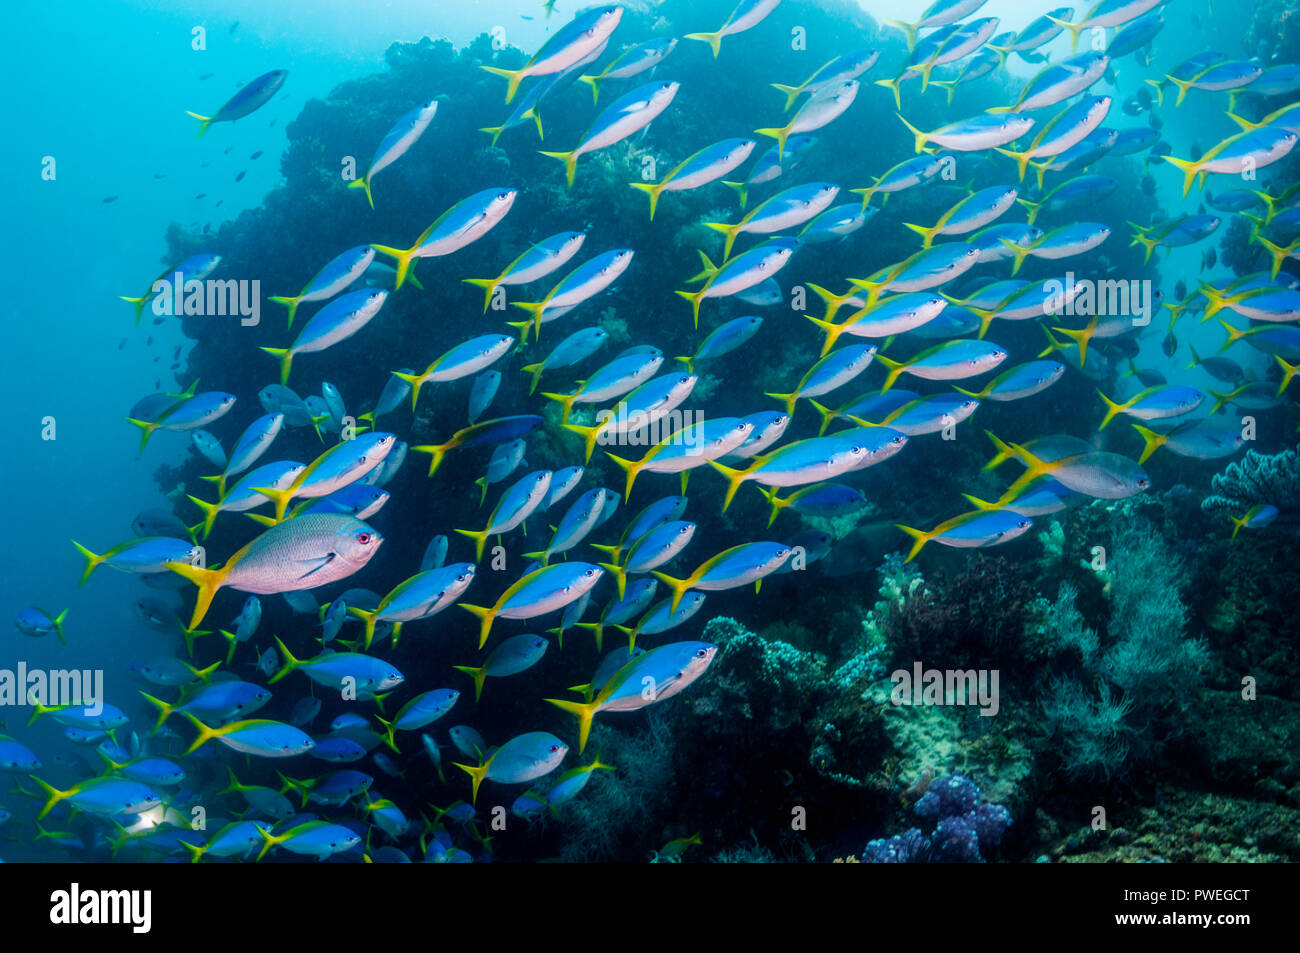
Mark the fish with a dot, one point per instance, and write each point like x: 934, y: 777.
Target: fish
x: 486, y: 432
x: 1257, y: 517
x: 583, y: 283
x: 521, y: 759
x: 536, y: 593
x: 626, y: 115
x: 336, y: 276
x: 464, y: 223
x: 1257, y: 147
x: 747, y: 15
x: 35, y: 622
x: 724, y: 339
x: 976, y: 529
x: 395, y: 144
x: 512, y: 656
x: 421, y: 596
x: 707, y: 165
x: 1058, y: 82
x: 574, y: 41
x: 822, y: 108
x: 740, y: 272
x: 249, y: 99
x: 336, y: 322
x: 631, y: 62
x: 844, y: 67
x: 937, y: 14
x: 986, y: 131
x: 538, y: 261
x: 1154, y: 403
x: 464, y: 359
x: 782, y: 211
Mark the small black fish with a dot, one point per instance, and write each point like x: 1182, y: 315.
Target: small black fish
x: 1132, y: 107
x: 157, y: 320
x: 1169, y: 345
x: 204, y: 165
x: 206, y: 76
x: 149, y: 340
x: 240, y: 177
x: 109, y: 198
x: 1148, y: 185
x: 1155, y: 122
x: 121, y: 344
x: 218, y: 205
x: 201, y: 195
x: 256, y: 155
x: 1180, y: 290
x: 233, y: 27
x: 160, y: 175
x: 1211, y: 258
x: 227, y: 152
x: 273, y: 122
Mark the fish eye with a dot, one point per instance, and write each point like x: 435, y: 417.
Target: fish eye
x: 363, y: 538
x: 701, y: 653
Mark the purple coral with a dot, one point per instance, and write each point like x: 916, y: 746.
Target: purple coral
x: 963, y: 827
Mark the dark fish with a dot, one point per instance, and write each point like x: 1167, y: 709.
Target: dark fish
x: 109, y: 198
x: 1148, y: 185
x: 206, y: 76
x: 1144, y: 97
x: 201, y: 195
x: 241, y: 175
x: 272, y: 125
x: 157, y: 320
x: 121, y: 344
x: 160, y: 175
x: 227, y: 152
x: 233, y: 27
x: 1169, y: 345
x: 1155, y: 122
x: 218, y: 205
x: 1180, y: 289
x: 256, y: 155
x: 1209, y: 258
x: 149, y: 341
x: 1132, y: 107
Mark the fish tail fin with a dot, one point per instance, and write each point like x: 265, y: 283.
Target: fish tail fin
x: 1022, y: 160
x: 416, y: 381
x: 489, y: 286
x: 436, y: 454
x: 137, y: 303
x: 742, y: 191
x: 707, y: 269
x: 364, y: 183
x: 775, y: 500
x: 927, y: 233
x: 1278, y: 253
x: 787, y: 399
x: 478, y: 673
x: 290, y: 303
x: 1237, y: 523
x: 694, y: 297
x: 565, y: 401
x: 92, y: 560
x: 476, y: 774
x: 368, y: 618
x: 620, y: 577
x: 583, y: 711
x: 485, y: 616
x: 589, y: 437
x: 780, y: 135
x: 1187, y: 167
x: 689, y: 361
x: 791, y: 94
x: 979, y: 504
x: 1032, y: 206
x: 58, y: 619
x: 290, y: 663
x: 55, y: 796
x: 210, y: 511
x: 1245, y: 124
x: 270, y: 840
x: 1004, y: 453
x: 1112, y: 408
x: 147, y: 427
x: 1081, y: 338
x: 534, y: 309
x: 652, y: 190
x: 734, y: 479
x: 479, y: 537
x: 1074, y: 29
x: 919, y: 538
x: 403, y: 258
x: 285, y: 357
x: 714, y: 40
x: 204, y: 122
x: 205, y: 735
x: 1153, y: 441
x: 895, y: 368
x: 513, y: 78
x: 920, y: 136
x: 1183, y: 86
x: 594, y: 82
x: 189, y: 635
x: 493, y: 131
x: 908, y: 30
x: 164, y: 710
x: 895, y: 86
x: 833, y: 331
x: 570, y: 160
x: 1288, y: 372
x: 1216, y: 300
x: 534, y: 372
x: 630, y: 467
x: 827, y: 416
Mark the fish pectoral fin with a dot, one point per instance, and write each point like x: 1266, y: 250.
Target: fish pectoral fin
x: 317, y: 564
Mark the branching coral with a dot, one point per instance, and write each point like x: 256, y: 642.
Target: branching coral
x: 1257, y: 478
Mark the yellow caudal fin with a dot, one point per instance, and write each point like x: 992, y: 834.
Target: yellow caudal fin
x: 210, y: 511
x: 1022, y: 160
x: 147, y: 427
x: 631, y: 468
x: 694, y: 297
x: 979, y: 504
x: 780, y: 135
x: 208, y: 581
x: 1018, y: 252
x: 493, y: 131
x: 138, y: 304
x: 1034, y: 207
x: 1154, y: 441
x: 535, y: 309
x: 565, y: 401
x: 707, y: 269
x: 734, y: 479
x: 368, y: 618
x: 1215, y: 300
x: 583, y: 711
x: 534, y: 372
x: 827, y: 416
x: 290, y: 663
x: 833, y: 301
x: 364, y: 183
x: 1237, y: 523
x: 908, y: 29
x: 92, y: 560
x: 1277, y: 253
x: 478, y: 673
x: 205, y: 735
x: 927, y: 234
x: 894, y: 367
x: 55, y: 796
x: 290, y: 303
x: 436, y: 453
x: 1005, y: 452
x: 1112, y: 408
x: 777, y: 503
x: 787, y: 399
x: 1288, y: 372
x: 919, y: 539
x: 570, y: 160
x: 489, y: 286
x: 1245, y: 124
x: 513, y: 78
x: 652, y: 190
x: 742, y: 192
x: 402, y: 256
x: 1081, y: 338
x: 689, y: 361
x: 620, y: 577
x: 594, y: 82
x: 485, y: 616
x: 164, y: 710
x: 1189, y: 169
x: 589, y: 437
x: 1183, y: 86
x: 919, y: 136
x: 476, y: 774
x: 480, y: 539
x: 714, y: 40
x: 730, y: 231
x: 895, y: 86
x: 1073, y: 28
x: 416, y: 381
x: 791, y: 94
x: 833, y: 331
x: 204, y: 122
x: 1040, y: 170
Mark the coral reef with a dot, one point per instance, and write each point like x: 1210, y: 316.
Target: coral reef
x: 964, y: 828
x: 1257, y: 478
